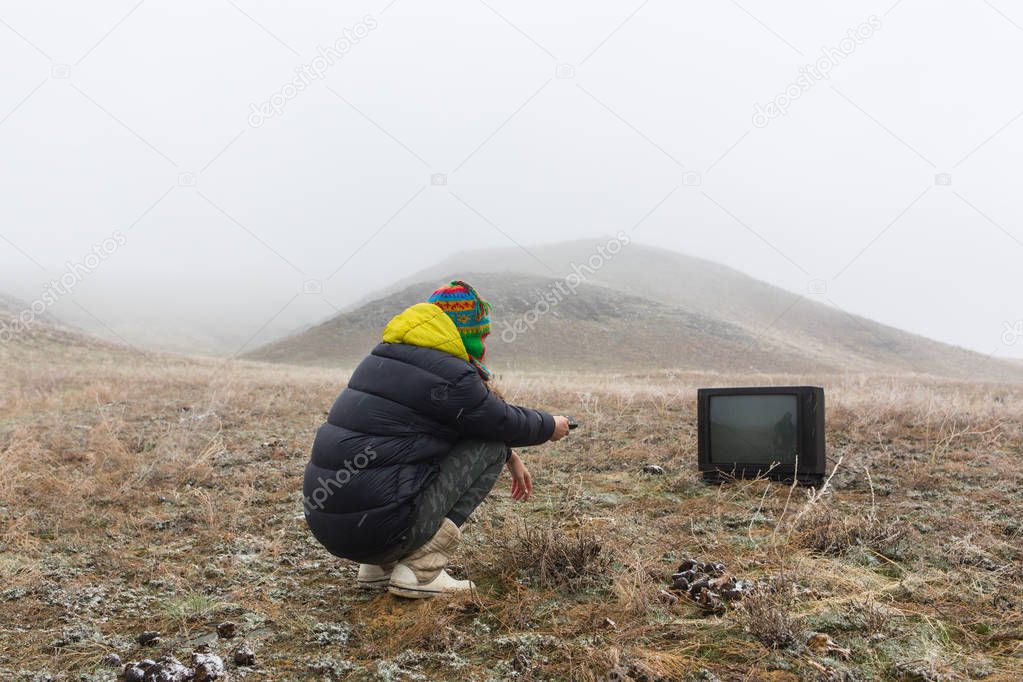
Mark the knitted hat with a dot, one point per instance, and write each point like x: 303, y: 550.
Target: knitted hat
x: 469, y: 312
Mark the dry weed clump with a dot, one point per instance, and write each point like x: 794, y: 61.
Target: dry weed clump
x: 833, y: 533
x: 769, y: 613
x: 868, y: 616
x: 391, y: 626
x: 637, y: 588
x: 551, y: 558
x: 964, y: 552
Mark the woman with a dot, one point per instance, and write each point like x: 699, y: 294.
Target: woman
x: 414, y: 444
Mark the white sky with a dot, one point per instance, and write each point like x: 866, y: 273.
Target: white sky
x: 104, y: 105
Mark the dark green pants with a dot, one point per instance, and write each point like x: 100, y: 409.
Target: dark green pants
x: 467, y: 475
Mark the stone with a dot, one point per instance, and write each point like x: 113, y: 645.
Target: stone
x: 688, y: 565
x: 708, y: 584
x: 132, y: 672
x: 244, y: 655
x: 208, y: 666
x: 148, y: 638
x: 167, y: 669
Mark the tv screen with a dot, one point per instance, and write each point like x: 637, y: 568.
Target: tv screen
x: 754, y: 429
x: 772, y: 431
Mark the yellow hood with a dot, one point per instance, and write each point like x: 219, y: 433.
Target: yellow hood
x: 426, y: 325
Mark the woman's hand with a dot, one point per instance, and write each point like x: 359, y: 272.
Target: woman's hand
x: 522, y: 482
x: 560, y: 428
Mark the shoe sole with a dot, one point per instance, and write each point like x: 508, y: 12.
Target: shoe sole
x: 419, y: 593
x: 380, y: 584
x: 413, y: 593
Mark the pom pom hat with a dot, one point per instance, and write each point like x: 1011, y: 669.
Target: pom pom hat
x: 471, y: 315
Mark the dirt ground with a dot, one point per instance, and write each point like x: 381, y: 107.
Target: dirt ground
x: 162, y: 495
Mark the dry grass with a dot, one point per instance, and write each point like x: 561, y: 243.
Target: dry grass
x: 770, y: 613
x: 136, y: 493
x: 550, y: 558
x: 829, y: 531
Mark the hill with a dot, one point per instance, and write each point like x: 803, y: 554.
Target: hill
x: 846, y: 340
x: 594, y: 328
x: 28, y: 337
x: 20, y: 325
x: 11, y: 308
x: 643, y: 308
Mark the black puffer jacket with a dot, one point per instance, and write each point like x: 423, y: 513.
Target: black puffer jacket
x: 404, y: 408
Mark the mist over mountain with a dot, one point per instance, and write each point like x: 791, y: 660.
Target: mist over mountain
x: 29, y: 334
x: 594, y: 328
x: 13, y: 308
x: 598, y: 305
x: 606, y: 305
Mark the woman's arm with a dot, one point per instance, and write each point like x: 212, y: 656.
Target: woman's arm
x: 476, y: 412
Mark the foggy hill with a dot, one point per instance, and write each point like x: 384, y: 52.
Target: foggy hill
x: 643, y: 308
x: 18, y: 323
x: 11, y: 308
x: 595, y: 328
x: 825, y: 334
x: 42, y: 337
x: 598, y: 328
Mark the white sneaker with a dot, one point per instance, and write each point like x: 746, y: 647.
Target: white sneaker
x: 372, y: 577
x: 405, y: 584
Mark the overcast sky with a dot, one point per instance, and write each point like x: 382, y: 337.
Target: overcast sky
x: 890, y: 167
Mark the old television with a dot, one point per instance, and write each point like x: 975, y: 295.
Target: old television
x: 775, y: 432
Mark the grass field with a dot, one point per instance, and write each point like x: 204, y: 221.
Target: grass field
x: 160, y: 494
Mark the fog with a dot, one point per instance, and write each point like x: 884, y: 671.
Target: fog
x: 254, y: 167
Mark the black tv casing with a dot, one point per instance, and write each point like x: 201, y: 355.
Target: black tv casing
x: 811, y: 460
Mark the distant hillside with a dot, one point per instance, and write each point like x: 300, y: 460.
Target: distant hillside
x: 824, y: 335
x: 598, y: 328
x: 595, y: 328
x: 19, y: 324
x: 11, y: 308
x: 44, y: 337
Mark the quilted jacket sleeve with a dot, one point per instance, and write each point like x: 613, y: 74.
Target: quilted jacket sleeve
x: 478, y: 413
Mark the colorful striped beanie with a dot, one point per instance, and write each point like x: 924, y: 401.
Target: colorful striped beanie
x: 471, y: 315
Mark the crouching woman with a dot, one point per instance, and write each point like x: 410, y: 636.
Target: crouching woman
x: 413, y: 445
